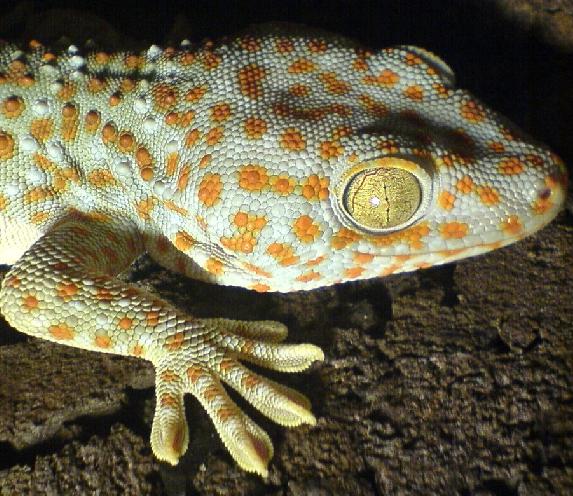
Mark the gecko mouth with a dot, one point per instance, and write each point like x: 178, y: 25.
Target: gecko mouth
x: 384, y: 195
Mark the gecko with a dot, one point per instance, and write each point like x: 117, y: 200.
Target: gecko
x: 274, y: 160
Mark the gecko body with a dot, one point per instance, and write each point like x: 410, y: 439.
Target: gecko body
x: 272, y: 161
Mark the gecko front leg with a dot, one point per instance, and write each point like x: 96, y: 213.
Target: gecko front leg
x: 65, y: 289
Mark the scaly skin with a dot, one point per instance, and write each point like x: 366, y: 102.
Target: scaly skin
x: 276, y: 162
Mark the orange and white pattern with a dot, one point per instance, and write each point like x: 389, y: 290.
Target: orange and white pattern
x: 275, y: 162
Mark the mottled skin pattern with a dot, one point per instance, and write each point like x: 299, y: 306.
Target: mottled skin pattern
x: 276, y: 162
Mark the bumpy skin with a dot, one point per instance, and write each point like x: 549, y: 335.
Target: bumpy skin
x: 276, y: 162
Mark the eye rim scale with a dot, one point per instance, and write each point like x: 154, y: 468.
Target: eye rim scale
x: 403, y: 178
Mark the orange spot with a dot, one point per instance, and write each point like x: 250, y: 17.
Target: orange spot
x: 249, y: 44
x: 220, y: 112
x: 143, y: 158
x: 512, y: 226
x: 152, y: 318
x: 192, y: 137
x: 299, y: 90
x: 453, y: 230
x: 61, y: 332
x: 372, y: 106
x: 315, y: 261
x: 194, y: 373
x: 95, y: 85
x: 126, y: 142
x: 133, y: 61
x: 101, y: 178
x: 210, y: 189
x: 283, y: 184
x: 41, y: 129
x: 214, y: 135
x: 362, y: 258
x: 465, y: 185
x: 195, y: 94
x: 211, y: 392
x: 412, y: 236
x: 92, y: 121
x: 471, y: 111
x: 317, y: 45
x: 283, y: 253
x: 171, y: 205
x: 103, y: 294
x: 256, y: 270
x: 164, y: 96
x: 446, y: 200
x: 343, y: 238
x: 511, y: 166
x: 169, y: 376
x: 169, y: 400
x: 183, y: 178
x: 205, y: 161
x: 253, y: 177
x: 224, y: 413
x: 109, y: 133
x: 38, y: 194
x: 332, y: 84
x: 144, y: 207
x: 301, y: 66
x: 214, y: 266
x: 171, y: 163
x: 496, y: 146
x: 305, y: 229
x: 412, y: 59
x: 255, y: 128
x: 174, y: 342
x: 125, y: 323
x: 183, y: 241
x: 330, y: 149
x: 30, y: 302
x: 249, y: 78
x: 103, y: 341
x: 260, y: 288
x: 284, y: 45
x: 353, y: 272
x: 209, y: 60
x: 6, y: 146
x: 137, y: 350
x: 386, y: 78
x: 12, y: 107
x: 541, y: 205
x: 67, y: 290
x: 292, y: 140
x: 37, y: 218
x: 488, y: 195
x: 309, y: 276
x: 414, y: 92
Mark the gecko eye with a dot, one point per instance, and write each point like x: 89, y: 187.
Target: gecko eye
x: 385, y: 194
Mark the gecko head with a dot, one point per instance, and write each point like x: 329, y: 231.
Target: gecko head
x: 425, y: 206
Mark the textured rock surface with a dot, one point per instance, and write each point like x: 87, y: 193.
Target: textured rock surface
x: 452, y: 380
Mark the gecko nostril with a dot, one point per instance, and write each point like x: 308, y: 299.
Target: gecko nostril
x: 544, y: 194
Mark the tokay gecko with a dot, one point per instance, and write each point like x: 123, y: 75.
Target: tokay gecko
x: 274, y: 161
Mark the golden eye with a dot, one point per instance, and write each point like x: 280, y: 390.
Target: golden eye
x: 383, y: 194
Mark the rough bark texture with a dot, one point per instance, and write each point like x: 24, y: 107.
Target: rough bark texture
x: 455, y: 380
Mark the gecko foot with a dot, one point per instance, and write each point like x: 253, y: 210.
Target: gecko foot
x: 207, y: 352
